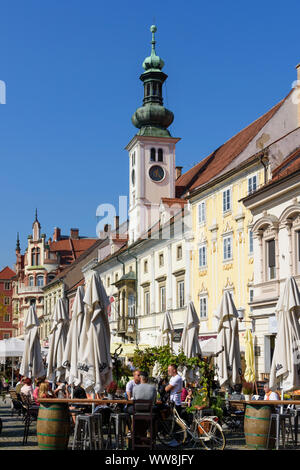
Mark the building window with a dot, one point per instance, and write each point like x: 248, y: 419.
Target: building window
x: 227, y: 248
x: 31, y: 281
x: 271, y: 259
x: 35, y: 256
x: 202, y: 256
x: 40, y: 281
x: 161, y: 260
x: 133, y: 159
x: 252, y: 184
x: 6, y: 318
x: 116, y: 277
x: 201, y: 212
x: 131, y: 306
x: 203, y: 308
x: 152, y: 155
x: 6, y: 335
x: 250, y: 241
x: 298, y: 251
x: 145, y: 266
x: 180, y: 294
x: 7, y: 286
x: 51, y: 277
x: 251, y: 297
x: 162, y: 298
x: 146, y: 302
x: 108, y: 281
x: 179, y: 252
x: 160, y: 155
x: 6, y: 301
x: 226, y: 200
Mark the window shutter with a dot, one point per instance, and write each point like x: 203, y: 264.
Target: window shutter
x: 271, y: 253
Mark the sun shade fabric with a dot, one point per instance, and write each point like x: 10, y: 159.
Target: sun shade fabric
x: 285, y: 368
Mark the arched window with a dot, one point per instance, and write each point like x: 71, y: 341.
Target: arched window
x: 160, y: 156
x: 154, y: 88
x: 153, y: 155
x: 31, y: 281
x: 38, y: 257
x: 40, y: 281
x: 33, y: 257
x: 148, y: 89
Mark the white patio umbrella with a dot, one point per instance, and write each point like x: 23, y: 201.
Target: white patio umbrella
x: 70, y: 356
x: 58, y: 338
x: 190, y: 338
x: 166, y: 331
x: 190, y: 335
x: 285, y: 368
x: 228, y: 361
x: 32, y: 362
x: 96, y: 366
x: 13, y: 348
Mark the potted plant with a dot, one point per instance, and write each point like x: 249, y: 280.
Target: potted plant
x: 247, y: 390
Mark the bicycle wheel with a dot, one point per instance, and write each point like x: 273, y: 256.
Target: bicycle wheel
x: 169, y: 433
x: 211, y: 434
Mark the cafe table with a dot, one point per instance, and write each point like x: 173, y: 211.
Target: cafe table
x: 53, y: 421
x: 273, y: 403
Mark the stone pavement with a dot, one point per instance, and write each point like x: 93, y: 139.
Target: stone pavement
x: 12, y: 433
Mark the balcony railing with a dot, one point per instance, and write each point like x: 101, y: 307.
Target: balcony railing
x: 126, y: 325
x: 22, y: 289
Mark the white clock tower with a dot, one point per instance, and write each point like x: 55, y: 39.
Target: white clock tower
x: 151, y: 151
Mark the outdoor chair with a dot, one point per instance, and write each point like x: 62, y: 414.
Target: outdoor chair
x: 16, y: 403
x: 30, y: 414
x: 142, y: 422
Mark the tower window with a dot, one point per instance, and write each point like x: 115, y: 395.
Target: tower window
x: 160, y: 155
x: 153, y: 155
x: 148, y: 89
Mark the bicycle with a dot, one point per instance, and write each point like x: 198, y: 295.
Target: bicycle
x: 174, y: 432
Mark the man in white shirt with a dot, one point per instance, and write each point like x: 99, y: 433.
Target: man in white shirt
x: 133, y: 383
x: 175, y: 387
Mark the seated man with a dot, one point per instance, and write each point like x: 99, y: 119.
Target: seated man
x: 144, y: 391
x: 132, y: 384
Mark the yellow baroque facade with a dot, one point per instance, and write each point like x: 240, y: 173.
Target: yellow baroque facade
x: 222, y: 255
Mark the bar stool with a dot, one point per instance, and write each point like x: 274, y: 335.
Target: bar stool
x: 281, y: 429
x: 117, y: 426
x: 88, y: 433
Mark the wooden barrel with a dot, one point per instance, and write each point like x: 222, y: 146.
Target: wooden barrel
x: 257, y: 427
x: 53, y: 426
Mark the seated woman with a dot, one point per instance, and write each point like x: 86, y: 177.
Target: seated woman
x: 35, y: 394
x: 44, y: 391
x: 27, y: 389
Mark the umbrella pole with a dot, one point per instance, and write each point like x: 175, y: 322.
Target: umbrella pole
x: 93, y: 404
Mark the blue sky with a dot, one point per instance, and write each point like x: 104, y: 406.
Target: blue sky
x: 72, y: 70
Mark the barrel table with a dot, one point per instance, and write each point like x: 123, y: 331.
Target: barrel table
x: 260, y: 432
x: 53, y: 426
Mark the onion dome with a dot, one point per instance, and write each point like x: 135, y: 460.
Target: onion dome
x: 153, y: 118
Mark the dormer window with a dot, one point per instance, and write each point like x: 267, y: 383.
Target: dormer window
x: 153, y: 155
x: 160, y: 155
x: 35, y: 256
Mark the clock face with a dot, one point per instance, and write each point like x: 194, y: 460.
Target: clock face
x: 156, y: 173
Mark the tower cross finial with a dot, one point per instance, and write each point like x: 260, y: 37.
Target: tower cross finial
x: 153, y: 30
x: 36, y: 215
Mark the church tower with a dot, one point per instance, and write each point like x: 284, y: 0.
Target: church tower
x: 151, y: 151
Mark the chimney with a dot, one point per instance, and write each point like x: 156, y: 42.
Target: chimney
x: 178, y: 170
x: 116, y: 223
x: 56, y: 234
x: 74, y: 233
